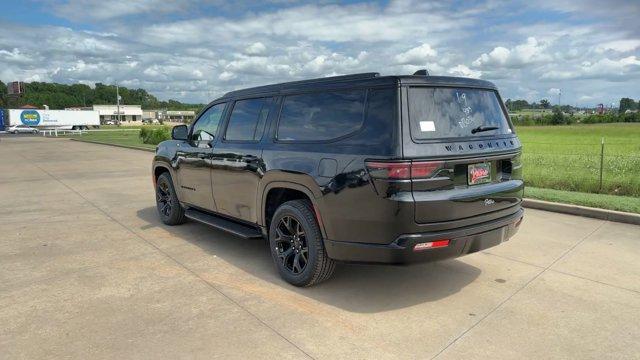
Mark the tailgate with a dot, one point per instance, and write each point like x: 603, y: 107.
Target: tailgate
x: 468, y: 187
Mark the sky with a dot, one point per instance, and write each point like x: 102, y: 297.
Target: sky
x: 195, y: 51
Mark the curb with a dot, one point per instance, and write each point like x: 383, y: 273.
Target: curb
x: 116, y: 145
x: 609, y: 215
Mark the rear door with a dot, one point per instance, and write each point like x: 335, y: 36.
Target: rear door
x: 237, y: 164
x: 464, y: 136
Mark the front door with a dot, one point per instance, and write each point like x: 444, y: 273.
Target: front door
x: 237, y: 165
x: 194, y: 160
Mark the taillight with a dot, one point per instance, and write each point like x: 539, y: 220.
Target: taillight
x: 403, y: 170
x: 425, y: 169
x: 389, y: 170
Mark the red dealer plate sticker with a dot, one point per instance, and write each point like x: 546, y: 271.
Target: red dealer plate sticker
x: 479, y: 173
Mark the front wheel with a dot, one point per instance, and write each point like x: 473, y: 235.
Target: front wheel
x: 169, y: 208
x: 296, y: 245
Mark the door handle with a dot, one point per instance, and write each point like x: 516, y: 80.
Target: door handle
x: 202, y: 156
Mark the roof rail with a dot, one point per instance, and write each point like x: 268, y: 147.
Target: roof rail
x: 350, y: 77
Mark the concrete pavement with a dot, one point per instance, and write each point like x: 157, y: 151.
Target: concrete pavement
x: 88, y: 271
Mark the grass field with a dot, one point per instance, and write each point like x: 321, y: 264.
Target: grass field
x: 603, y: 201
x: 115, y: 136
x: 561, y: 163
x: 568, y: 157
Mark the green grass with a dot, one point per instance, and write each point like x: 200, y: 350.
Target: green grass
x: 116, y: 127
x: 603, y: 201
x: 568, y: 157
x: 115, y: 136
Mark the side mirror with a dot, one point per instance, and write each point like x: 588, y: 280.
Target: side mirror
x: 180, y: 132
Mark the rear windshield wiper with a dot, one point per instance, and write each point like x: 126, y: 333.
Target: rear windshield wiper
x: 483, y: 128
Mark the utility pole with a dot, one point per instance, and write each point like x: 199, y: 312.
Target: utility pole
x: 118, y: 102
x: 559, y: 95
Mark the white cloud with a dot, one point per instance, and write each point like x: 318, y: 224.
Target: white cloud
x: 196, y: 51
x: 553, y: 91
x: 621, y: 46
x: 622, y: 69
x: 257, y: 48
x: 463, y: 70
x: 416, y: 56
x: 104, y: 10
x: 522, y: 55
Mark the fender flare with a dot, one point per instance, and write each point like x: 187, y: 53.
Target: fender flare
x: 314, y: 197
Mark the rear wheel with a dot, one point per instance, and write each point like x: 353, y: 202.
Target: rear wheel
x: 169, y: 208
x: 296, y: 245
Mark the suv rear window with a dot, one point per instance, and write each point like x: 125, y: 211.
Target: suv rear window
x: 437, y: 113
x: 321, y: 116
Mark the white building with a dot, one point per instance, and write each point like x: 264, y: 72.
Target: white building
x: 127, y: 112
x: 177, y: 116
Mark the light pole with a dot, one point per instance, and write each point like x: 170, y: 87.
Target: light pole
x: 559, y: 96
x: 118, y: 102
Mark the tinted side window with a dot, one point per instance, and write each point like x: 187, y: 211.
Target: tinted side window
x: 206, y: 126
x: 381, y: 116
x: 247, y: 119
x: 321, y: 116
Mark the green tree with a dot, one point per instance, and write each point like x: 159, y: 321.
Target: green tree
x: 558, y: 117
x: 3, y: 94
x: 516, y: 105
x: 60, y: 96
x: 627, y: 104
x: 545, y: 103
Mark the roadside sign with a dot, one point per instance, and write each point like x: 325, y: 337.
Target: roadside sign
x: 1, y: 119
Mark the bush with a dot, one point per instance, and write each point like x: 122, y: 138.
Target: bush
x: 155, y: 136
x: 558, y: 117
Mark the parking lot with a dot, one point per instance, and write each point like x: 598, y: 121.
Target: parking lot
x: 88, y: 271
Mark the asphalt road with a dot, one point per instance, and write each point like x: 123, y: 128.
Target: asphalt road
x: 87, y: 271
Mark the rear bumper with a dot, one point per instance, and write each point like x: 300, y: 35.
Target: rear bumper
x: 463, y: 241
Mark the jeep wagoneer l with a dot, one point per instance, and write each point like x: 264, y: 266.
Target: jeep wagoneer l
x: 356, y: 168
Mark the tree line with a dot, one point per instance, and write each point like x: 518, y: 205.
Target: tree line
x: 61, y: 96
x: 520, y: 104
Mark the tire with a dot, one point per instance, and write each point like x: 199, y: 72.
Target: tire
x: 35, y: 131
x: 294, y: 233
x: 167, y: 203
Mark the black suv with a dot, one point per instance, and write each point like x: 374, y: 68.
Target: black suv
x: 357, y: 168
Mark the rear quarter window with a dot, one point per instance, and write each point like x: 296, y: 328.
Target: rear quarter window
x: 437, y: 113
x: 321, y: 116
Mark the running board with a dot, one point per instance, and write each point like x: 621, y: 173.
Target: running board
x: 243, y: 231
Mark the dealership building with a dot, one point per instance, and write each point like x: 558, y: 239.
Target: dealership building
x: 127, y: 112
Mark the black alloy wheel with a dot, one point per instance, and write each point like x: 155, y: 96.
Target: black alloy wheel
x: 297, y: 246
x: 164, y: 198
x: 169, y: 208
x: 293, y: 249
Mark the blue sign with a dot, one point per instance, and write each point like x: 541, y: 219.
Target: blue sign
x: 1, y: 119
x: 30, y: 117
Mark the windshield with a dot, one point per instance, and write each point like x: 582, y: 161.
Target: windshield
x: 436, y: 113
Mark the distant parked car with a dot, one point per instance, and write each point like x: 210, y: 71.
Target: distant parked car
x: 110, y: 122
x: 15, y: 129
